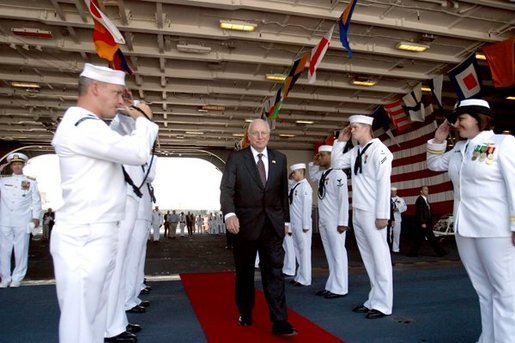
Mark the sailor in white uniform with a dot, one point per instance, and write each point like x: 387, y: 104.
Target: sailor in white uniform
x: 399, y: 206
x: 290, y: 263
x: 371, y: 164
x: 84, y: 240
x: 301, y: 203
x: 333, y: 208
x: 20, y: 209
x: 157, y: 221
x: 482, y: 171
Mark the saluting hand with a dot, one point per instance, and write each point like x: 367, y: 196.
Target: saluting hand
x: 442, y: 132
x: 233, y: 224
x: 345, y: 134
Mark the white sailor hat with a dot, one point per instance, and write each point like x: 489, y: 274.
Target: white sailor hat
x: 326, y: 148
x: 103, y: 74
x: 472, y: 107
x: 297, y: 166
x: 358, y: 118
x: 17, y: 157
x: 393, y: 189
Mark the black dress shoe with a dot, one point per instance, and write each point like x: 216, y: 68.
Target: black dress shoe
x: 322, y: 293
x: 144, y: 303
x: 244, y: 321
x: 133, y: 328
x: 298, y: 284
x: 292, y: 282
x: 283, y: 328
x: 331, y: 295
x: 144, y: 291
x: 148, y: 287
x: 136, y: 309
x: 360, y: 309
x: 123, y: 337
x: 375, y: 314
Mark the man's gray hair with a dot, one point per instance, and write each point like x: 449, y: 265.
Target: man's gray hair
x: 251, y: 125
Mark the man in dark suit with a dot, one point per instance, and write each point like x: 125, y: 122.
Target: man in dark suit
x: 254, y: 200
x: 424, y: 225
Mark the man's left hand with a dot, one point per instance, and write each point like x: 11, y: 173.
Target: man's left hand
x: 342, y: 228
x: 381, y: 223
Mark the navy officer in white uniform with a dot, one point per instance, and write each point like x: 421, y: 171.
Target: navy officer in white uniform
x: 482, y: 170
x: 301, y: 203
x: 371, y: 164
x: 84, y: 238
x: 333, y: 207
x: 20, y: 209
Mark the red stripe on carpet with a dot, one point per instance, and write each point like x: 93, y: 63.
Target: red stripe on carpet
x: 212, y: 298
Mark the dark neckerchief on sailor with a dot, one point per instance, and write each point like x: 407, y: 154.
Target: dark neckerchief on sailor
x: 290, y: 196
x: 358, y: 164
x: 321, y: 184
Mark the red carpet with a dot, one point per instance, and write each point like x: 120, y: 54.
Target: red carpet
x: 212, y: 297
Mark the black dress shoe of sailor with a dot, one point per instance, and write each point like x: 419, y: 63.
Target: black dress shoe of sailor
x: 361, y: 309
x: 144, y: 291
x: 123, y: 337
x: 375, y: 314
x: 144, y: 303
x: 136, y: 309
x: 244, y: 321
x: 331, y: 295
x: 148, y: 287
x: 133, y: 328
x: 283, y: 328
x: 322, y: 293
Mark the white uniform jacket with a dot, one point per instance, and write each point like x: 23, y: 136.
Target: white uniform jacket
x: 401, y: 206
x: 19, y: 200
x: 300, y: 206
x: 334, y: 207
x: 374, y: 181
x: 484, y: 186
x: 90, y: 158
x: 157, y: 218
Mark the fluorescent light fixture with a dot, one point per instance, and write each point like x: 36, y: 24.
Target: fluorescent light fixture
x: 364, y: 83
x: 275, y: 77
x: 426, y: 89
x: 213, y: 108
x: 237, y: 25
x: 31, y: 32
x: 237, y: 134
x: 286, y: 135
x: 25, y: 85
x: 506, y: 132
x: 194, y: 132
x: 249, y: 120
x: 413, y: 47
x: 480, y: 56
x: 510, y: 97
x: 193, y: 48
x: 202, y: 110
x: 304, y: 122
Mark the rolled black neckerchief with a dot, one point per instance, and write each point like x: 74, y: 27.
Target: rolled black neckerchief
x: 290, y: 196
x: 321, y: 184
x: 358, y: 165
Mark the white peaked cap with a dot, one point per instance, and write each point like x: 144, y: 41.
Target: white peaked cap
x: 297, y: 166
x: 394, y: 188
x: 358, y: 118
x: 473, y: 102
x: 17, y: 157
x: 103, y: 74
x: 326, y: 148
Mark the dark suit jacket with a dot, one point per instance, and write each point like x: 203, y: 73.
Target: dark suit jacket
x: 423, y: 212
x: 243, y: 193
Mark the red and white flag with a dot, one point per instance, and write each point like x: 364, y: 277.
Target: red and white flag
x: 105, y: 21
x: 317, y: 54
x: 397, y: 115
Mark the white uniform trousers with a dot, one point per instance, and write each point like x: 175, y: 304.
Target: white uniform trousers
x: 302, y: 246
x: 289, y: 264
x: 182, y: 226
x: 375, y: 254
x: 155, y: 232
x: 84, y: 257
x: 141, y: 264
x: 396, y: 236
x: 17, y: 238
x: 116, y: 317
x: 336, y: 254
x: 490, y: 264
x: 132, y: 275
